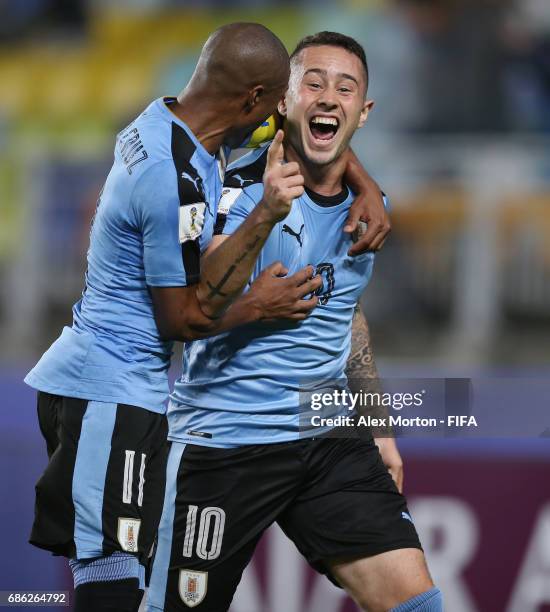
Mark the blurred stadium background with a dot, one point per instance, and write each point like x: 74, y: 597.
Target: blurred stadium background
x: 459, y: 139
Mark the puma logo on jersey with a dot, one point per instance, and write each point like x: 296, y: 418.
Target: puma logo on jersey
x: 288, y: 230
x: 197, y: 182
x: 241, y: 180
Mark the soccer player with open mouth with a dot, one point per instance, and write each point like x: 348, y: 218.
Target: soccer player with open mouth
x: 241, y: 459
x: 103, y: 384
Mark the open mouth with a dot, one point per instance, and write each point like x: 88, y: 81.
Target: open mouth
x: 323, y: 128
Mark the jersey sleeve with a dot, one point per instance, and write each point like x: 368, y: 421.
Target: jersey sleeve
x: 156, y: 208
x: 234, y: 207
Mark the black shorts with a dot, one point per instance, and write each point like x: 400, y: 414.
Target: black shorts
x: 103, y: 488
x: 334, y: 498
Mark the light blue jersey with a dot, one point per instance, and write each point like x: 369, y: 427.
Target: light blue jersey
x: 154, y: 217
x: 242, y: 387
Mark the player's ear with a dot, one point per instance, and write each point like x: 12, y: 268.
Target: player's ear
x: 281, y: 107
x: 254, y: 96
x: 367, y: 107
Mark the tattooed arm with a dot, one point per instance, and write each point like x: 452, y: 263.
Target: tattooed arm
x: 360, y: 365
x: 226, y: 271
x: 363, y: 377
x: 188, y: 313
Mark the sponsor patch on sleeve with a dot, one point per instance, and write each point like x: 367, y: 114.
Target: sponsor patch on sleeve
x: 229, y: 196
x: 191, y: 221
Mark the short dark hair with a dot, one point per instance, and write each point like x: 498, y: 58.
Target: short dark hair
x: 333, y: 39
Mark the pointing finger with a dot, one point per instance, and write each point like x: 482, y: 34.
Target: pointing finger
x: 276, y: 152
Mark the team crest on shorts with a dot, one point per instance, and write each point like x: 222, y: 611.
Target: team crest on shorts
x: 128, y: 533
x: 192, y: 587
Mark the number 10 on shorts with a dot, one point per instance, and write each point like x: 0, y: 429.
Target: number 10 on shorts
x: 211, y: 526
